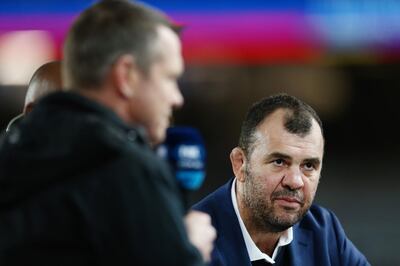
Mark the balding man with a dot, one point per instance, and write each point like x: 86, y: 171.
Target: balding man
x: 265, y: 215
x: 46, y: 79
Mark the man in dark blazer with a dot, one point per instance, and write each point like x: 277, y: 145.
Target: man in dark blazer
x: 265, y: 215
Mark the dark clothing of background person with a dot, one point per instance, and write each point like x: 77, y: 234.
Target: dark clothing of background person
x: 80, y: 187
x: 14, y: 122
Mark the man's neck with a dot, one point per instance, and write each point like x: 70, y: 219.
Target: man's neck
x: 265, y: 241
x: 108, y: 98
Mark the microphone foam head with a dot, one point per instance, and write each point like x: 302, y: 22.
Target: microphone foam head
x: 184, y: 149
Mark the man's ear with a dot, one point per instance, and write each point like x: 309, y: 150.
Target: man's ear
x: 28, y: 108
x: 238, y: 161
x: 125, y: 75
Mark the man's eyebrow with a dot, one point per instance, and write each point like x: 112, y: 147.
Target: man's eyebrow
x: 313, y: 160
x: 276, y: 155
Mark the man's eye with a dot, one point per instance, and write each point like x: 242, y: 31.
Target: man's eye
x: 279, y: 162
x: 309, y: 166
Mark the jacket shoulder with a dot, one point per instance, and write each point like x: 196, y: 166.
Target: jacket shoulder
x: 329, y: 235
x: 317, y: 217
x: 214, y: 201
x: 323, y: 222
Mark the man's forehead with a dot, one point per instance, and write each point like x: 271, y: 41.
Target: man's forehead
x: 278, y: 118
x: 271, y: 132
x: 168, y: 40
x: 169, y: 49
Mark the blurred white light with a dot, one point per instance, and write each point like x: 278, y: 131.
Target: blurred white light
x: 21, y: 53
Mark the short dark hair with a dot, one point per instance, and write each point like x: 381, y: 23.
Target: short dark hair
x: 298, y: 120
x: 106, y: 31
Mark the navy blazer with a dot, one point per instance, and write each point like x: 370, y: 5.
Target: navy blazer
x: 318, y: 239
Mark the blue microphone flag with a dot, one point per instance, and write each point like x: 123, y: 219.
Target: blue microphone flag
x: 185, y: 151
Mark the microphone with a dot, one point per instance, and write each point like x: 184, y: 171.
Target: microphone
x: 185, y: 152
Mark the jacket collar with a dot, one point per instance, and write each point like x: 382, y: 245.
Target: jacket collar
x: 78, y: 103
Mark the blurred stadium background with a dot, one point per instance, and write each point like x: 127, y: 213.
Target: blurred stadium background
x: 342, y: 57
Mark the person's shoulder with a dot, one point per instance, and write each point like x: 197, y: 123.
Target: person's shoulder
x: 319, y: 218
x: 219, y: 198
x: 317, y: 215
x: 328, y: 234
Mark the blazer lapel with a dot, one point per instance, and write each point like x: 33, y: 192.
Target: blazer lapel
x: 302, y: 248
x: 230, y: 240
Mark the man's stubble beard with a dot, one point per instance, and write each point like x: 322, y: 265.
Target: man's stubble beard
x: 262, y: 211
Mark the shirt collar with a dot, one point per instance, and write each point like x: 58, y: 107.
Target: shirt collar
x: 254, y: 252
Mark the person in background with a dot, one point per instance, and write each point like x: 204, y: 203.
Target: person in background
x: 265, y: 215
x: 46, y: 79
x: 79, y: 181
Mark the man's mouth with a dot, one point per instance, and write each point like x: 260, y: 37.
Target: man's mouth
x: 288, y: 202
x: 290, y: 199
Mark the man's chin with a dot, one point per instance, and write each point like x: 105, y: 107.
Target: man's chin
x: 280, y: 225
x: 277, y: 222
x: 156, y: 135
x: 283, y: 221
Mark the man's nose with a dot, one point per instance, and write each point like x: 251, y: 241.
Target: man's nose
x: 293, y: 178
x: 177, y: 98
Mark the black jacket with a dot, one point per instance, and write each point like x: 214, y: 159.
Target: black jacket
x: 80, y: 187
